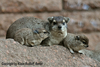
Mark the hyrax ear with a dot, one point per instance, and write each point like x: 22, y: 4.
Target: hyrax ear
x: 50, y: 19
x: 66, y: 19
x: 77, y: 37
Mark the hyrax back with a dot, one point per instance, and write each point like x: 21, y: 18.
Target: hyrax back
x: 91, y: 53
x: 57, y: 29
x: 75, y: 42
x: 26, y: 36
x: 25, y: 22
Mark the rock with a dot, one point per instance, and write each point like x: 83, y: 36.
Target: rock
x: 94, y: 40
x: 97, y: 47
x: 79, y: 21
x: 14, y: 53
x: 81, y: 4
x: 30, y: 5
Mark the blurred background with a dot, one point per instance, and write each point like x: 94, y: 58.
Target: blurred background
x: 84, y: 15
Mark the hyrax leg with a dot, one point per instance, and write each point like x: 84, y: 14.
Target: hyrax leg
x: 70, y: 50
x: 26, y: 42
x: 20, y: 40
x: 31, y: 43
x: 46, y: 42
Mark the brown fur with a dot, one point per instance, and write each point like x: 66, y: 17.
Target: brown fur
x: 91, y: 53
x: 25, y: 22
x: 75, y: 42
x: 57, y: 29
x: 28, y: 37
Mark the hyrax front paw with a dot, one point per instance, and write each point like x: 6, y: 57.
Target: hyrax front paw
x: 72, y: 51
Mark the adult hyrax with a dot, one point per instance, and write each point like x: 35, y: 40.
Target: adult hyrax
x: 57, y: 29
x: 30, y: 37
x: 25, y: 22
x: 75, y: 42
x: 91, y: 53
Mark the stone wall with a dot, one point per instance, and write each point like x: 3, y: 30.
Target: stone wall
x: 84, y: 14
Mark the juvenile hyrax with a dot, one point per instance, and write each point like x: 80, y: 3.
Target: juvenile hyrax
x: 57, y: 29
x: 30, y: 37
x: 75, y: 42
x: 25, y: 22
x: 91, y: 53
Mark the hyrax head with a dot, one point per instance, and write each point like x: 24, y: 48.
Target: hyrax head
x: 41, y: 32
x: 82, y: 41
x: 58, y: 23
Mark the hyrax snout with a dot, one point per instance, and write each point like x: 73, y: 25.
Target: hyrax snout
x: 30, y: 37
x: 57, y: 29
x: 76, y: 42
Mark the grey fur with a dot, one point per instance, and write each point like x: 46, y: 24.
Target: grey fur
x: 75, y: 42
x: 57, y: 29
x: 91, y: 53
x: 26, y: 36
x: 25, y: 22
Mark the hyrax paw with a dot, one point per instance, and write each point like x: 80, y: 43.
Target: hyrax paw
x: 81, y: 52
x: 72, y: 51
x: 22, y: 43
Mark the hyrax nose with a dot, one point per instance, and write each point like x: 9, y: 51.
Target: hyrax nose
x: 59, y: 27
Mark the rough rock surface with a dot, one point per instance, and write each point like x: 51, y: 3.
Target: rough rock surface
x: 81, y: 4
x: 79, y: 21
x: 94, y: 40
x: 30, y: 5
x: 84, y: 18
x: 47, y: 5
x: 12, y: 53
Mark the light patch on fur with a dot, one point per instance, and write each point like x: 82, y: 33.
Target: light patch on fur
x: 54, y: 20
x: 52, y: 17
x: 36, y: 42
x: 83, y: 40
x: 81, y: 51
x: 71, y: 51
x: 22, y: 43
x: 64, y: 27
x: 63, y: 20
x: 44, y: 30
x: 56, y: 37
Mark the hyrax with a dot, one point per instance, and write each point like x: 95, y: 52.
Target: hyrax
x: 75, y: 42
x: 26, y: 36
x: 91, y: 53
x: 57, y: 29
x: 25, y: 22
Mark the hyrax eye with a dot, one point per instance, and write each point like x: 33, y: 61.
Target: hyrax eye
x: 63, y: 23
x: 54, y: 23
x: 84, y: 42
x: 44, y: 32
